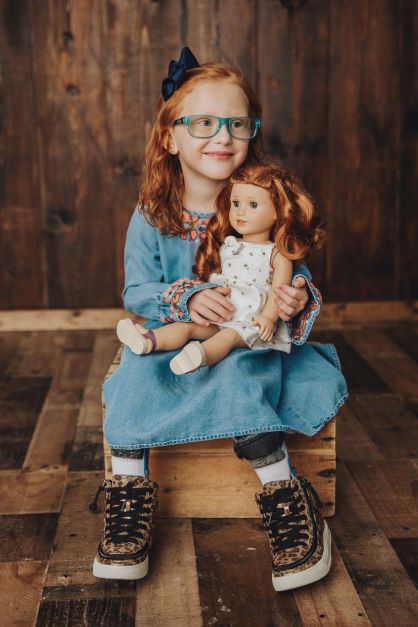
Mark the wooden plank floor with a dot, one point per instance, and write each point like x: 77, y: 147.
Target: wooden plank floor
x: 203, y: 571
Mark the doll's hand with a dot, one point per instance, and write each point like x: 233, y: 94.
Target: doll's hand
x: 266, y: 327
x: 291, y: 300
x: 210, y: 306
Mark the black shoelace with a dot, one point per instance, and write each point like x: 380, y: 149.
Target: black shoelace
x: 282, y: 518
x: 126, y: 516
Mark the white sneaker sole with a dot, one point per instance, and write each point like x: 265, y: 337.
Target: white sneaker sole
x: 117, y: 571
x: 189, y: 359
x: 305, y: 577
x: 130, y: 335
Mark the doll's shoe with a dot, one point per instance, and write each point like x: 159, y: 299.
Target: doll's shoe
x: 191, y: 358
x: 129, y: 333
x: 300, y: 539
x: 131, y: 504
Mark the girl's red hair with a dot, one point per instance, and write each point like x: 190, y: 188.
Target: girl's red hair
x: 162, y: 186
x: 297, y: 231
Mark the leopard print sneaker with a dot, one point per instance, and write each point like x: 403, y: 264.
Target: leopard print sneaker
x: 131, y: 503
x: 300, y: 539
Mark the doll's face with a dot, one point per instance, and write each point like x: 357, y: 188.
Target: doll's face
x: 251, y: 211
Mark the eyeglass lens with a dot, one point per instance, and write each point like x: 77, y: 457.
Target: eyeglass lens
x: 207, y: 126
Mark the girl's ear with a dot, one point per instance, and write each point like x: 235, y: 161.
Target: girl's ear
x: 169, y: 143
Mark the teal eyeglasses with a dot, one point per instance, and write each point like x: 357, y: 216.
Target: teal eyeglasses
x: 204, y: 126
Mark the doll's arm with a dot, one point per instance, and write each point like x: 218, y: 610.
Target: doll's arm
x: 267, y: 318
x: 145, y: 292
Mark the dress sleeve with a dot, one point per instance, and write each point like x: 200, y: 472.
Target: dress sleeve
x: 300, y: 326
x: 145, y: 292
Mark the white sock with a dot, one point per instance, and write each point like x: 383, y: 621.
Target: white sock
x: 128, y: 466
x: 277, y: 470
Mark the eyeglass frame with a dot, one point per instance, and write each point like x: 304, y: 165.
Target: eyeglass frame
x: 221, y: 121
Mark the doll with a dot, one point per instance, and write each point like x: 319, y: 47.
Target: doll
x: 263, y: 222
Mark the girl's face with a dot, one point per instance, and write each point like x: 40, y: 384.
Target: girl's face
x: 217, y: 157
x: 252, y: 211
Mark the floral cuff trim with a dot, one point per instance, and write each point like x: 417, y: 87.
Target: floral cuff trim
x: 173, y: 302
x: 300, y: 326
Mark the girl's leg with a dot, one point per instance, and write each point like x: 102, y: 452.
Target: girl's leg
x: 130, y: 506
x: 267, y: 454
x: 300, y: 540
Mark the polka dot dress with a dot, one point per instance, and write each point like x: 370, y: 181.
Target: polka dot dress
x: 246, y: 270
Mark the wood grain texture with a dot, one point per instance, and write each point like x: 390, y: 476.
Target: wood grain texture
x: 389, y: 425
x: 70, y: 68
x: 408, y: 181
x: 364, y: 143
x: 21, y: 400
x: 407, y: 551
x: 33, y: 492
x: 231, y: 551
x: 169, y: 595
x: 80, y: 86
x: 102, y: 611
x: 21, y: 588
x: 78, y: 533
x: 22, y: 251
x: 359, y: 375
x: 293, y: 65
x: 27, y: 537
x: 369, y: 558
x: 391, y: 487
x: 396, y: 368
x: 87, y: 451
x: 354, y: 442
x: 332, y: 601
x: 45, y: 522
x: 183, y: 479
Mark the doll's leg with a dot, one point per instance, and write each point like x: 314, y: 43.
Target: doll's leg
x: 221, y: 344
x: 166, y: 338
x: 196, y: 354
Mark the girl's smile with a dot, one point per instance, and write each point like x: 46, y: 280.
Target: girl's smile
x: 219, y: 155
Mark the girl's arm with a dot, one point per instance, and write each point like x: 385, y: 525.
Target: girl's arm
x: 300, y: 325
x: 145, y: 292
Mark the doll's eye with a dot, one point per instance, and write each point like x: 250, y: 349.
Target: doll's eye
x: 235, y: 203
x: 253, y: 204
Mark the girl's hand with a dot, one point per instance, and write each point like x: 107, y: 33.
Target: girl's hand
x: 291, y: 300
x: 210, y: 305
x: 266, y: 327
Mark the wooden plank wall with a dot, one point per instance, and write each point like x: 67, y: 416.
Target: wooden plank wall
x: 79, y: 86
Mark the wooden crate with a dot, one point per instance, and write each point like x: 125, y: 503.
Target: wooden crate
x: 206, y: 479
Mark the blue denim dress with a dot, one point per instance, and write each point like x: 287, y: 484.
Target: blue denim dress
x: 249, y: 391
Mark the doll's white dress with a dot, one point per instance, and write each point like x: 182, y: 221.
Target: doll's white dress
x: 245, y: 268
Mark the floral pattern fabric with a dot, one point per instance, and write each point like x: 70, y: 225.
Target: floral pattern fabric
x: 196, y: 225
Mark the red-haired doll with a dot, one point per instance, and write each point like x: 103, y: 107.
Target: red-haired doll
x: 264, y: 221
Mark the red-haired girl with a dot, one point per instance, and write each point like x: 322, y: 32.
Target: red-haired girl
x: 207, y: 127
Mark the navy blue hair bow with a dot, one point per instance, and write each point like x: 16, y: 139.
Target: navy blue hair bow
x: 177, y: 72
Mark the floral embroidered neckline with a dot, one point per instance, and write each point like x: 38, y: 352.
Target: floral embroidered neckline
x: 207, y: 214
x: 195, y: 224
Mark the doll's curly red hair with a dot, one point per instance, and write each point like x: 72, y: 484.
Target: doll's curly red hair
x: 298, y: 229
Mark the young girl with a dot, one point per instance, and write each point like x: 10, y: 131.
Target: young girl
x: 253, y: 204
x: 186, y: 166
